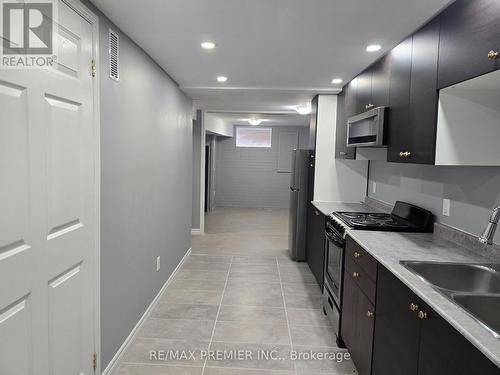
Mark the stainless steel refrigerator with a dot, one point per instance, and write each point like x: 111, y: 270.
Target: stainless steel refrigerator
x: 298, y: 205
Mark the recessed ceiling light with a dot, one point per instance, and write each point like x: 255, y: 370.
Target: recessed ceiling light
x: 222, y: 79
x: 336, y: 81
x: 373, y: 48
x: 254, y: 121
x: 208, y: 45
x: 303, y: 109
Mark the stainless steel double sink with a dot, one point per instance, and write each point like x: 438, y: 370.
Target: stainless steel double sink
x: 474, y: 287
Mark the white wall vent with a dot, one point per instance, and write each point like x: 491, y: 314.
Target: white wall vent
x: 114, y: 56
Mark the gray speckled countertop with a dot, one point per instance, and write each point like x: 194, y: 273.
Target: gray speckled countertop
x: 390, y: 248
x: 326, y: 208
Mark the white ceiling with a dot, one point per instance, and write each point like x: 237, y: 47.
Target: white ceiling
x: 275, y: 53
x: 268, y: 119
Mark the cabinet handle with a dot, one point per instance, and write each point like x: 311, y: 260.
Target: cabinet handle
x: 413, y: 307
x: 422, y: 315
x: 405, y: 154
x: 492, y: 54
x: 357, y: 255
x: 370, y: 314
x: 355, y: 274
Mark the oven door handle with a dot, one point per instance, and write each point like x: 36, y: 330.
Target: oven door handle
x: 335, y: 241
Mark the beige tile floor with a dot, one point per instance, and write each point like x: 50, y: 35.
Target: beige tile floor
x: 238, y: 294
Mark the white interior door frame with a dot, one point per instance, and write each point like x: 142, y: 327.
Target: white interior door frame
x: 93, y: 19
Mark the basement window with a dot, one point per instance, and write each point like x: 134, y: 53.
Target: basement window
x: 254, y: 137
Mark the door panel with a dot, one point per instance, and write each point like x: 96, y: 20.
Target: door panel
x: 15, y: 326
x: 48, y: 211
x: 399, y: 98
x: 66, y: 330
x: 469, y: 30
x: 397, y: 328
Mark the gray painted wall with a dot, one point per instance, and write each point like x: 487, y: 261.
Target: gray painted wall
x: 247, y: 177
x: 473, y: 191
x: 146, y: 140
x: 196, y: 170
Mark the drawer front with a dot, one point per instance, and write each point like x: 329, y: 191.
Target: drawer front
x: 355, y: 273
x: 361, y: 257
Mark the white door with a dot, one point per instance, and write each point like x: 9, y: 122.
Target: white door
x: 48, y: 210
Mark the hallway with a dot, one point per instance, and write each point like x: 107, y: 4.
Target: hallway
x: 238, y: 295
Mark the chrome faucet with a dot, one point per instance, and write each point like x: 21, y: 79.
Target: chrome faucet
x: 489, y: 231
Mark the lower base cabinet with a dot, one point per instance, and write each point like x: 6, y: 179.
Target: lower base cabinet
x: 412, y: 339
x: 400, y: 334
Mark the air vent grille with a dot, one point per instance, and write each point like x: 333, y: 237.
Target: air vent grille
x: 114, y: 56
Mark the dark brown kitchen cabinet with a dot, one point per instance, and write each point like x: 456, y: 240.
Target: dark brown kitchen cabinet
x: 315, y: 245
x: 399, y: 98
x: 469, y: 30
x: 421, y: 134
x: 364, y: 91
x: 381, y: 74
x: 341, y: 149
x: 412, y: 339
x: 397, y: 329
x: 358, y: 312
x: 351, y: 99
x: 413, y: 97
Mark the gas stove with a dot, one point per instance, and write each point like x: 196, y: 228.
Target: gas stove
x: 405, y: 217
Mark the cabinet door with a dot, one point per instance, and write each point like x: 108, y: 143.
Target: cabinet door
x: 364, y: 91
x: 341, y: 149
x: 358, y: 322
x: 444, y: 351
x: 397, y: 328
x: 399, y: 98
x: 351, y: 98
x: 469, y: 30
x: 381, y: 76
x: 316, y: 243
x: 423, y: 95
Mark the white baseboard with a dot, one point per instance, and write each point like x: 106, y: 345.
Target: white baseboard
x: 119, y: 354
x: 196, y: 232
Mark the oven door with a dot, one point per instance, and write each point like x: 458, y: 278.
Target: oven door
x: 334, y: 263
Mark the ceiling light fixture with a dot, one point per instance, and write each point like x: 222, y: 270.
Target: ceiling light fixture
x: 303, y: 109
x: 254, y: 121
x: 373, y: 48
x: 208, y: 45
x: 336, y: 81
x: 222, y: 79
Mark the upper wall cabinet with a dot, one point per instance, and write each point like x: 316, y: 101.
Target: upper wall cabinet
x: 470, y: 29
x: 460, y: 44
x: 399, y: 99
x: 341, y: 149
x: 381, y: 74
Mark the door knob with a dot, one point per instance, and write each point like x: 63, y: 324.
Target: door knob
x: 355, y: 274
x: 369, y: 314
x: 356, y: 254
x: 493, y: 54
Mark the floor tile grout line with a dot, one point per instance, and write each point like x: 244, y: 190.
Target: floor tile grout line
x: 217, y: 316
x: 286, y: 315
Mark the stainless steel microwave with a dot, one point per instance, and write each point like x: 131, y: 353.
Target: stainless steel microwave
x: 367, y: 129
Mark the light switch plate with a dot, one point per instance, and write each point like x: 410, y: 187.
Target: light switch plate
x: 446, y: 207
x: 158, y: 263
